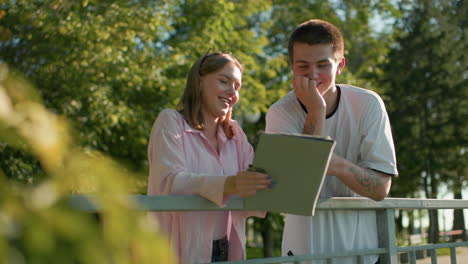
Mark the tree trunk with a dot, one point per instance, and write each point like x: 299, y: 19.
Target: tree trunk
x: 433, y: 215
x: 431, y: 193
x: 411, y: 228
x: 430, y: 179
x: 399, y: 223
x: 267, y: 237
x: 458, y: 217
x: 433, y: 237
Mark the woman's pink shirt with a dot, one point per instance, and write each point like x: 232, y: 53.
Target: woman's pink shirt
x: 182, y: 162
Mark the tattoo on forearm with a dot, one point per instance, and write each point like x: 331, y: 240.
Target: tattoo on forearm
x: 368, y: 179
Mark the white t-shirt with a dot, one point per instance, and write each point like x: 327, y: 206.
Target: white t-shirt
x: 363, y: 136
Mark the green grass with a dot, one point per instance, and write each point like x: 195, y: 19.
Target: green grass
x: 446, y: 251
x: 443, y: 252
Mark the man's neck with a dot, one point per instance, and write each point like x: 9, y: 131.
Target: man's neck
x: 331, y: 99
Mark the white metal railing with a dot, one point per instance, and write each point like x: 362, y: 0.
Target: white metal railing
x: 385, y: 210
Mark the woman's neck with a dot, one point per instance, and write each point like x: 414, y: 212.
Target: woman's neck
x: 210, y: 128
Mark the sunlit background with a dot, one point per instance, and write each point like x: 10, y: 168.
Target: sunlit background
x: 81, y: 83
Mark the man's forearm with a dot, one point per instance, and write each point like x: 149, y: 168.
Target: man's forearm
x: 314, y: 125
x: 366, y: 182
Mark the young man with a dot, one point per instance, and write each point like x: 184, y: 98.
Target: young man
x: 364, y: 160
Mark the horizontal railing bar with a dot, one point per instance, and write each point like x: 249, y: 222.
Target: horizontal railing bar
x: 395, y: 203
x: 432, y: 246
x: 160, y: 203
x: 89, y: 203
x: 197, y: 203
x: 377, y: 251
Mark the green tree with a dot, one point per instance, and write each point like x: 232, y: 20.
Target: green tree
x: 234, y: 26
x: 94, y: 62
x: 111, y: 66
x: 425, y: 81
x: 38, y: 223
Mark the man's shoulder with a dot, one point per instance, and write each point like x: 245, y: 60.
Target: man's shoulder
x: 284, y: 101
x: 351, y: 89
x: 357, y: 93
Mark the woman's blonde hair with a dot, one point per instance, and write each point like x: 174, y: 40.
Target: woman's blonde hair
x: 190, y: 105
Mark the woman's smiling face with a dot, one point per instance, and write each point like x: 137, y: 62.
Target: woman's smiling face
x: 220, y: 91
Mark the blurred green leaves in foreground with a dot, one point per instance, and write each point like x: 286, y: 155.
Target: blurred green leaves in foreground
x: 37, y: 224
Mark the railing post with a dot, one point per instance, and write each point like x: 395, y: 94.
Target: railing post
x: 433, y: 256
x: 386, y: 232
x: 453, y: 255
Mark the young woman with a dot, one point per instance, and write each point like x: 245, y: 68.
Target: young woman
x: 199, y: 150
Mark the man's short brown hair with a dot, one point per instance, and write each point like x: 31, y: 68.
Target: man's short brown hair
x: 316, y: 31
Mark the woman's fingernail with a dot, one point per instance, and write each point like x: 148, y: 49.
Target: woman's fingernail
x: 273, y: 182
x: 268, y: 177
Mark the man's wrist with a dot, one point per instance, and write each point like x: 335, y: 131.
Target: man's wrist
x: 314, y: 124
x: 336, y: 166
x: 317, y: 114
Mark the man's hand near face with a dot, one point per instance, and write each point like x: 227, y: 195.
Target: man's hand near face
x: 363, y: 181
x: 306, y: 91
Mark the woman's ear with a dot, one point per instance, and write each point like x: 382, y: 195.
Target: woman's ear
x: 341, y: 66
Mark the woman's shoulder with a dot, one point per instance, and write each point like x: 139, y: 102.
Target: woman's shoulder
x: 237, y: 129
x: 169, y: 114
x: 169, y: 118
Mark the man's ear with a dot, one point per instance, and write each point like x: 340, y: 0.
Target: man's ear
x: 341, y: 66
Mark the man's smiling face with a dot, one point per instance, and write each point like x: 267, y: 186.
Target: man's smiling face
x: 317, y: 62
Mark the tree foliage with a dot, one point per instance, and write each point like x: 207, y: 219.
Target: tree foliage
x: 426, y: 79
x: 38, y: 224
x: 93, y: 62
x: 109, y: 67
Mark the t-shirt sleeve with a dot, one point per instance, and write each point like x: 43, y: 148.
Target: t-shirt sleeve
x: 377, y: 149
x: 278, y: 120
